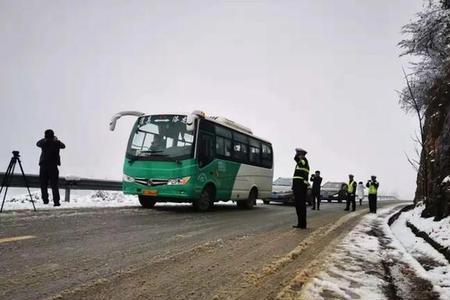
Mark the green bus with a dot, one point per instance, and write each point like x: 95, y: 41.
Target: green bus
x: 194, y: 158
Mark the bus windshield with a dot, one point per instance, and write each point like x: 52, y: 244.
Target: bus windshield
x: 160, y: 137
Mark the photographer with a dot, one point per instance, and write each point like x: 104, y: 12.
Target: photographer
x: 317, y: 181
x: 49, y: 162
x: 373, y: 185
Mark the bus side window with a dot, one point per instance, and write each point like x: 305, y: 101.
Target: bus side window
x: 220, y: 146
x: 266, y: 156
x: 223, y: 146
x: 205, y: 149
x: 255, y: 152
x: 240, y: 152
x: 228, y: 148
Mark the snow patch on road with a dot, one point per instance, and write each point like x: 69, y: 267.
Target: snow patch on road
x: 354, y: 269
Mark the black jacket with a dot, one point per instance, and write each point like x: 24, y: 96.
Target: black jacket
x: 50, y: 152
x: 317, y: 181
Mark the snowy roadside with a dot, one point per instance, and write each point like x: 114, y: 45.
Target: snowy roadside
x: 376, y: 261
x: 435, y: 265
x: 438, y: 231
x: 92, y: 199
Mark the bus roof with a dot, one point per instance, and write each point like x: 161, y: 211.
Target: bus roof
x: 235, y: 126
x: 221, y: 121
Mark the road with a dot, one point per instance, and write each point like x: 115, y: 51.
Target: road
x: 171, y: 252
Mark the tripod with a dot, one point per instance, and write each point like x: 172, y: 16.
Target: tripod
x: 6, y: 182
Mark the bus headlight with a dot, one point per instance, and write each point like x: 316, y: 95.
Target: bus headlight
x: 127, y: 178
x: 178, y: 181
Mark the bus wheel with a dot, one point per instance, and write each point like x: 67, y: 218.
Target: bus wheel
x: 147, y: 202
x: 206, y: 200
x: 248, y: 204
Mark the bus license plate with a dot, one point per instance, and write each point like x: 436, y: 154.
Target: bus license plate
x: 150, y: 192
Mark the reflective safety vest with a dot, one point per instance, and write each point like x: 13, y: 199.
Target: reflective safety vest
x: 351, y: 188
x: 372, y: 189
x: 302, y: 171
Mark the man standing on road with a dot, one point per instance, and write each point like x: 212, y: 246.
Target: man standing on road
x: 360, y: 192
x: 317, y: 181
x: 49, y: 162
x: 373, y: 185
x: 351, y: 190
x: 299, y: 186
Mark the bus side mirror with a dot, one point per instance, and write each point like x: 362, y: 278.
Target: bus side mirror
x: 190, y: 123
x: 112, y: 123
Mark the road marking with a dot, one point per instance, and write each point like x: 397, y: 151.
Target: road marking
x: 17, y: 238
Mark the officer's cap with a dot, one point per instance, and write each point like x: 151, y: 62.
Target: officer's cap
x: 300, y: 150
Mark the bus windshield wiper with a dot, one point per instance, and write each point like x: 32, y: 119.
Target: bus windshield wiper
x: 151, y: 151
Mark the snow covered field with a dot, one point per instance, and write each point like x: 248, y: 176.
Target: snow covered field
x: 375, y: 261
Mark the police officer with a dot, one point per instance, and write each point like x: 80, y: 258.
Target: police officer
x: 373, y: 185
x: 317, y: 180
x: 49, y: 162
x: 351, y: 193
x: 299, y: 186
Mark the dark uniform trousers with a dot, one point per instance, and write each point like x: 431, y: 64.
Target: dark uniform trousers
x: 300, y: 203
x: 49, y: 174
x: 373, y: 203
x: 351, y: 198
x: 316, y: 199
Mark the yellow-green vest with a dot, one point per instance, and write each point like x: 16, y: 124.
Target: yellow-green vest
x: 351, y: 188
x: 372, y: 189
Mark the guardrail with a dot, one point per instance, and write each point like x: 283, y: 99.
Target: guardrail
x: 386, y: 198
x: 67, y: 183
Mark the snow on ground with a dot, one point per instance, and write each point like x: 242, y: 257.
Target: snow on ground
x: 438, y: 231
x: 370, y: 263
x: 346, y: 275
x: 435, y: 264
x: 91, y: 199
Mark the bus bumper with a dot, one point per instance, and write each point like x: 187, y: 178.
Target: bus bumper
x: 162, y: 192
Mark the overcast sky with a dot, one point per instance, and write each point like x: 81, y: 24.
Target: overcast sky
x: 315, y: 74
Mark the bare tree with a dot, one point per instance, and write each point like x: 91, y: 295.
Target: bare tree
x: 420, y: 164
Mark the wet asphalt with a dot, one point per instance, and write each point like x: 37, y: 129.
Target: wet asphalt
x: 44, y: 252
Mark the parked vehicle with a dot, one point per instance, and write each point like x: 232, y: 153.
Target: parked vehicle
x: 282, y: 192
x: 334, y: 191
